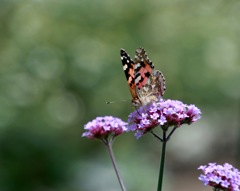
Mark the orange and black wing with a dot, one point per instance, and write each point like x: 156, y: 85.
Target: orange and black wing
x: 128, y: 67
x: 143, y: 68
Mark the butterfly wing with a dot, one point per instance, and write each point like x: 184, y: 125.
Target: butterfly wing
x: 158, y: 83
x: 128, y: 67
x: 143, y: 68
x: 153, y: 90
x: 146, y: 84
x: 150, y: 83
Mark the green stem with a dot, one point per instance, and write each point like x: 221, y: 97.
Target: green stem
x: 160, y: 178
x: 109, y: 146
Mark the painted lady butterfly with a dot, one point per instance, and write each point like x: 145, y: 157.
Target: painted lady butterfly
x: 146, y: 84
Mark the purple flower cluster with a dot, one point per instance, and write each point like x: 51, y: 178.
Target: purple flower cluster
x: 221, y: 177
x: 104, y: 127
x: 165, y: 113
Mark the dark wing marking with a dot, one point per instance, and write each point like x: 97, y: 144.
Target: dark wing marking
x: 128, y: 67
x: 143, y: 67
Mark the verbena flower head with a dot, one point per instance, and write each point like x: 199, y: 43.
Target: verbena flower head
x: 164, y: 113
x: 104, y: 128
x: 222, y: 177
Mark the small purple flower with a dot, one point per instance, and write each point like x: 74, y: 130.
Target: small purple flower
x: 165, y: 113
x: 104, y: 128
x: 221, y: 177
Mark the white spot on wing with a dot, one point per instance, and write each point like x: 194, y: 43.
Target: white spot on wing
x: 125, y: 67
x: 137, y: 65
x: 137, y: 79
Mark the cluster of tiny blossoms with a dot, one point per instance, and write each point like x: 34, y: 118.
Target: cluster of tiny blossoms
x: 104, y: 128
x: 165, y: 113
x: 221, y: 177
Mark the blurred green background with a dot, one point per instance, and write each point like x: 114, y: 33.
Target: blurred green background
x: 60, y: 63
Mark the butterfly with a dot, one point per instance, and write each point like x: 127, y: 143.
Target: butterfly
x: 146, y: 84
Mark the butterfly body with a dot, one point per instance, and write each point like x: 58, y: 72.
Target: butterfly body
x: 146, y: 84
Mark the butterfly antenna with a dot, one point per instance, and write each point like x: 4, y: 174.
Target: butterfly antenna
x: 110, y: 102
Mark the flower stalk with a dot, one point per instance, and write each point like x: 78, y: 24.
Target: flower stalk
x: 110, y: 151
x: 162, y: 162
x: 163, y: 114
x: 106, y: 129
